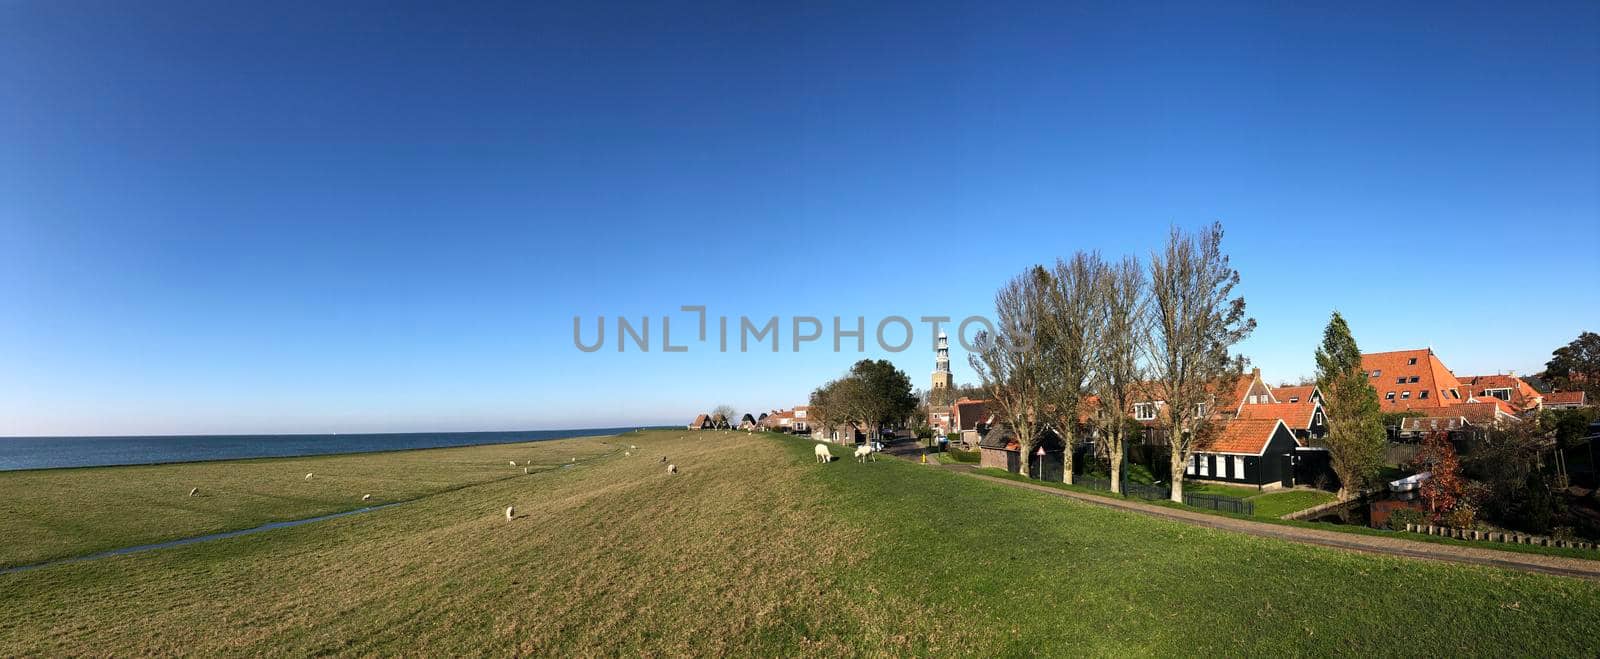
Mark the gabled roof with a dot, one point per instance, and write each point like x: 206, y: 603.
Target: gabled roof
x: 1245, y: 436
x: 1479, y: 412
x: 970, y: 413
x: 1002, y: 437
x: 1293, y: 394
x: 1298, y: 416
x: 1384, y: 369
x: 701, y: 420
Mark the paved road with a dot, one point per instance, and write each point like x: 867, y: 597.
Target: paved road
x: 1559, y: 565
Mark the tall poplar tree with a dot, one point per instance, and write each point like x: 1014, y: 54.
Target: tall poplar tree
x: 1355, y: 421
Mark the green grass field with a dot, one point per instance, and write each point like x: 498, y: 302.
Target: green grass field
x: 753, y: 549
x: 1278, y: 504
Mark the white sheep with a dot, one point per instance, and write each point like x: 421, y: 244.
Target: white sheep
x: 627, y: 454
x: 366, y: 497
x: 513, y: 462
x: 511, y: 512
x: 863, y: 452
x: 672, y: 469
x: 194, y: 492
x: 526, y: 471
x: 308, y: 476
x: 823, y: 455
x: 633, y: 447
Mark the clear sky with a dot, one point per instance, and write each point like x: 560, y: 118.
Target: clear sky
x: 312, y: 217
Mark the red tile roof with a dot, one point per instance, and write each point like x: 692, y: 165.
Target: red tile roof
x: 1483, y: 411
x: 1564, y: 398
x: 1295, y: 415
x: 1385, y: 369
x: 1523, y: 396
x: 1283, y: 394
x: 966, y: 414
x: 1248, y: 436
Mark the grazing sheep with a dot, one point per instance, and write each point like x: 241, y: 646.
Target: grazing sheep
x: 511, y: 512
x: 672, y: 469
x: 366, y: 497
x: 194, y: 492
x: 526, y: 471
x: 574, y: 460
x: 863, y: 452
x: 627, y: 454
x: 513, y: 462
x: 822, y: 453
x: 308, y: 476
x: 633, y: 447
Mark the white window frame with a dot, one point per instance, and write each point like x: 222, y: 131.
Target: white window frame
x: 1238, y: 468
x: 1144, y: 411
x: 1205, y: 465
x: 1190, y: 468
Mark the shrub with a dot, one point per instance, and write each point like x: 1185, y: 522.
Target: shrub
x: 962, y: 456
x: 1400, y: 518
x: 1463, y: 517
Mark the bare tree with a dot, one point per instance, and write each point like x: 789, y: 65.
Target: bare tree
x: 724, y: 416
x: 1008, y: 361
x: 1068, y: 338
x: 1195, y: 324
x: 1117, y: 372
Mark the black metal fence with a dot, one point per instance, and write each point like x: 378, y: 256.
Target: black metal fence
x: 1158, y: 493
x: 1221, y: 503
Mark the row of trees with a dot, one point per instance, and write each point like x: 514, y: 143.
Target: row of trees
x: 1117, y: 331
x: 873, y: 393
x: 1123, y: 332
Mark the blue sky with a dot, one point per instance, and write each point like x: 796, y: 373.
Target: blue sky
x: 294, y: 217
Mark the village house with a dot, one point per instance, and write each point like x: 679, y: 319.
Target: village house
x: 747, y: 422
x: 1000, y: 449
x: 972, y: 419
x: 939, y: 421
x: 700, y: 422
x: 801, y: 423
x: 1258, y: 452
x: 849, y: 434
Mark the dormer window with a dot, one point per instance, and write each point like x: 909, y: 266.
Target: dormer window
x: 1377, y: 373
x: 1294, y: 399
x: 1411, y: 362
x: 1389, y: 396
x: 1405, y: 394
x: 1144, y: 411
x: 1400, y: 380
x: 1413, y: 379
x: 1455, y: 394
x: 1422, y: 395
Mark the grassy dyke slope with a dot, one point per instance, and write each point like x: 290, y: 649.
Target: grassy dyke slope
x: 58, y: 513
x: 755, y: 549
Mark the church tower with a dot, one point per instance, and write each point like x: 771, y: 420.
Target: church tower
x: 941, y: 365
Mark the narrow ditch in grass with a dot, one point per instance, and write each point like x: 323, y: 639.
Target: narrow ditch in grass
x: 199, y: 538
x: 271, y: 526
